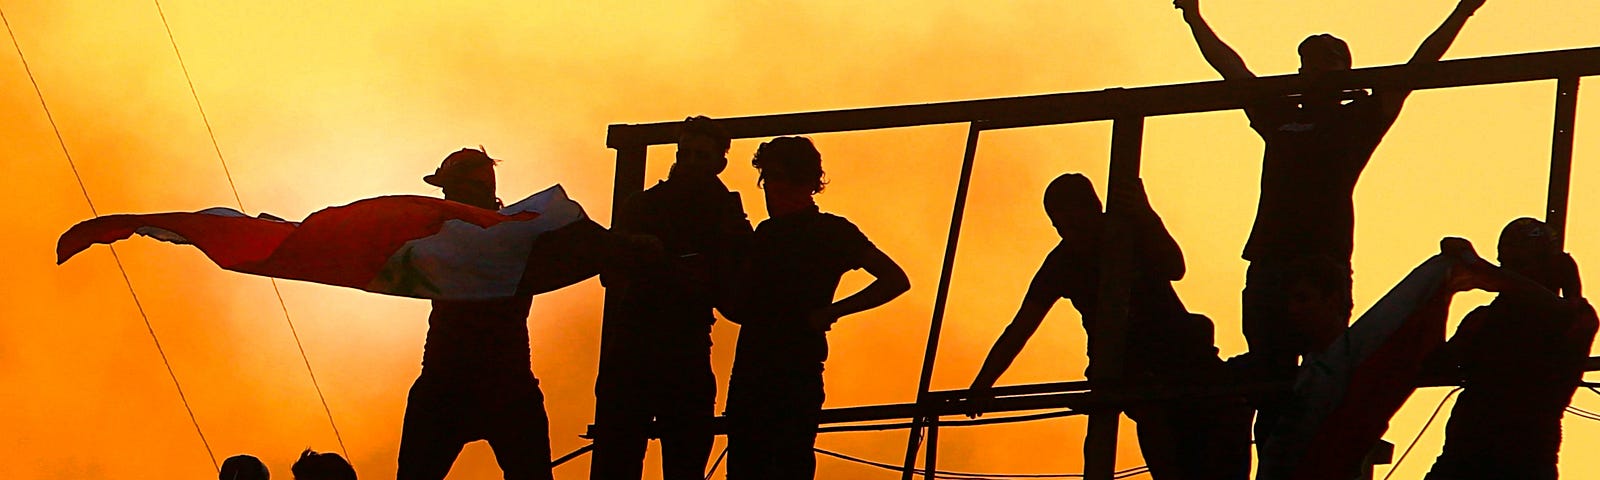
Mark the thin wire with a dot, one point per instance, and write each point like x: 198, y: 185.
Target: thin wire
x: 1127, y: 473
x: 118, y: 259
x: 873, y: 427
x: 237, y: 200
x: 574, y: 454
x: 1424, y: 429
x: 717, y: 463
x: 1584, y: 414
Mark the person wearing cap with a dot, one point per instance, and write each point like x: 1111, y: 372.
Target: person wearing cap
x: 1316, y: 147
x: 1520, y: 358
x: 655, y: 354
x: 477, y: 382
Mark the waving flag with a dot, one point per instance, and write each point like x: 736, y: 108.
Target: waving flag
x: 401, y: 245
x: 1343, y: 399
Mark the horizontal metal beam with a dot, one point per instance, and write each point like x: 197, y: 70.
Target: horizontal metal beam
x: 1046, y: 396
x: 1060, y: 108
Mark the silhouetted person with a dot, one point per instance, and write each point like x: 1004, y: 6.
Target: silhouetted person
x: 1165, y: 343
x: 785, y: 307
x: 243, y: 467
x: 1520, y: 358
x: 1316, y: 148
x: 476, y: 381
x: 655, y: 361
x: 322, y: 466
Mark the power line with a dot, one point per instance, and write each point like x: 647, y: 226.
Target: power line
x: 717, y: 463
x: 118, y: 259
x: 1424, y: 429
x: 873, y: 427
x: 1121, y: 474
x: 1584, y: 414
x: 227, y: 173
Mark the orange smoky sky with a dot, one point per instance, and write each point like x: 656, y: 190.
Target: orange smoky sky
x: 321, y: 103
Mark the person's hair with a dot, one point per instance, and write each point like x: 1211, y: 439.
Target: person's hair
x: 243, y: 467
x: 322, y: 466
x: 791, y: 160
x: 1070, y: 192
x: 1323, y: 44
x: 703, y: 125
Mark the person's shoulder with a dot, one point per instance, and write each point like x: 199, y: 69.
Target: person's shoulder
x: 837, y: 223
x: 1064, y: 256
x: 833, y: 218
x: 649, y: 195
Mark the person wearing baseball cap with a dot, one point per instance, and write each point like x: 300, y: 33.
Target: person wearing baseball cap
x: 467, y: 176
x: 477, y: 382
x: 1520, y: 358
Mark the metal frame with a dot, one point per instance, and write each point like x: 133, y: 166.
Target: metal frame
x: 1126, y: 108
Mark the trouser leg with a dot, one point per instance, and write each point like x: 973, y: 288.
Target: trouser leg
x: 685, y: 421
x: 429, y: 435
x: 519, y: 431
x: 1158, y: 441
x: 621, y: 420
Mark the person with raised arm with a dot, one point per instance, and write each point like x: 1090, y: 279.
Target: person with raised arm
x: 1317, y: 145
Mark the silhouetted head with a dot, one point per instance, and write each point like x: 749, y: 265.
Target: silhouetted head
x: 702, y: 147
x: 467, y: 176
x: 1072, y: 205
x: 789, y: 162
x: 1324, y: 53
x: 1528, y: 247
x: 243, y: 467
x: 322, y: 466
x: 1319, y: 54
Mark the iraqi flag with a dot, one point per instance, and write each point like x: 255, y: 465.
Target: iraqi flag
x: 403, y: 245
x: 1343, y: 399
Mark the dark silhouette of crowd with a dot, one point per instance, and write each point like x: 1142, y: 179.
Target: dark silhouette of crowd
x: 683, y: 251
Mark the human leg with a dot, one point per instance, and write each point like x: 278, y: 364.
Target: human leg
x: 429, y: 434
x: 684, y: 417
x: 518, y: 430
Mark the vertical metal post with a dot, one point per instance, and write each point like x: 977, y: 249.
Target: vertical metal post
x: 1110, y: 329
x: 628, y: 181
x: 939, y: 301
x: 1561, y: 156
x: 630, y: 177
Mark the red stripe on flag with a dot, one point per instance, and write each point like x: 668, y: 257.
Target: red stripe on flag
x: 345, y: 246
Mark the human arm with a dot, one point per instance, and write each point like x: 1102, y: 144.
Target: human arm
x: 1431, y: 50
x: 1047, y: 286
x: 1029, y: 316
x: 889, y: 281
x: 1222, y: 57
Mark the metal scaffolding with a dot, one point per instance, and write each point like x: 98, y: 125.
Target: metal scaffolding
x: 1126, y: 108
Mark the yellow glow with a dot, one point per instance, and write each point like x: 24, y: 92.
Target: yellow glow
x: 315, y: 105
